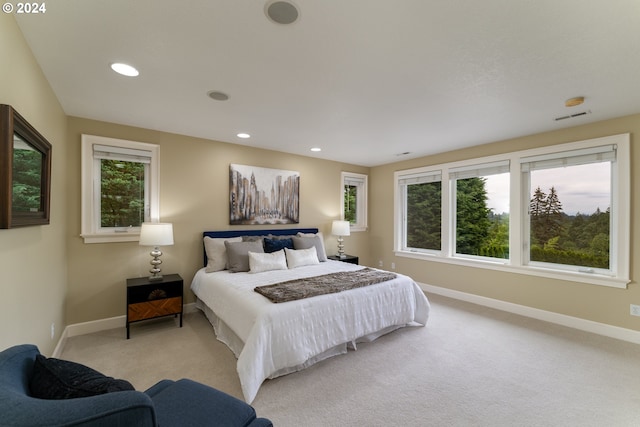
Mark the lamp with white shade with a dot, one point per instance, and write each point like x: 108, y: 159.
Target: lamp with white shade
x: 156, y: 234
x: 341, y: 229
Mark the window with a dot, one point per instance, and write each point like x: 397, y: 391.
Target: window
x: 119, y: 188
x: 354, y: 197
x: 482, y: 209
x: 569, y: 208
x: 422, y: 205
x: 561, y: 212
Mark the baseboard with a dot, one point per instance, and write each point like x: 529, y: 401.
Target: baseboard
x: 623, y: 334
x: 101, y: 325
x: 547, y: 316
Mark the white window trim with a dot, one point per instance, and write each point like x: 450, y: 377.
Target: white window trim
x: 361, y: 209
x: 90, y: 229
x: 519, y: 197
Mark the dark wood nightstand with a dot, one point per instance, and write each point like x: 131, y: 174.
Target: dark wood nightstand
x: 148, y: 299
x: 347, y: 258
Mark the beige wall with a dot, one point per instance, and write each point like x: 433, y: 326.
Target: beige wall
x: 194, y: 190
x: 596, y: 303
x: 33, y: 262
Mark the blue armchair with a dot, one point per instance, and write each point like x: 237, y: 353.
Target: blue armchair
x: 168, y: 403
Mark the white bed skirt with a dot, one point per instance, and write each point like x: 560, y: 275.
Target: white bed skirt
x: 226, y: 335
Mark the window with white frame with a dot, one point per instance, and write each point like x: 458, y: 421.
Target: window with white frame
x: 481, y: 220
x: 354, y: 200
x: 569, y: 215
x: 421, y: 199
x: 120, y: 181
x: 561, y: 211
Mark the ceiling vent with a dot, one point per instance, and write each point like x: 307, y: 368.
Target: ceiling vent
x: 571, y: 116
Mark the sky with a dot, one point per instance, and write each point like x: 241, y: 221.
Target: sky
x: 591, y: 190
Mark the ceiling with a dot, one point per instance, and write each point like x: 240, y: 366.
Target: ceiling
x: 364, y: 80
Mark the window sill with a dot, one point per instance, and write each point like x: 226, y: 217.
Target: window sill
x: 501, y: 265
x: 355, y: 228
x: 111, y: 237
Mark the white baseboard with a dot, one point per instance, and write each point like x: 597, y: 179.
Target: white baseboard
x: 535, y: 313
x: 623, y: 334
x: 101, y: 325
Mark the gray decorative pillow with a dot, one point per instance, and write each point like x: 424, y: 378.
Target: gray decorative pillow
x: 238, y: 254
x: 217, y: 253
x: 308, y: 241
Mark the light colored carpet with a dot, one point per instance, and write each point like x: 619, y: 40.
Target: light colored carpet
x: 471, y: 365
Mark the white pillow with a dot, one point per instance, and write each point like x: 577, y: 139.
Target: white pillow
x: 300, y: 257
x: 261, y: 261
x: 217, y: 252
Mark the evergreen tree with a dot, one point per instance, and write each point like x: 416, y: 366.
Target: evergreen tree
x: 546, y: 218
x: 122, y: 203
x: 538, y: 203
x: 472, y: 216
x: 424, y: 215
x: 552, y: 216
x: 537, y: 207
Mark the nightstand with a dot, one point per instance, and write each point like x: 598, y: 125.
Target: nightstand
x: 347, y: 258
x: 148, y: 299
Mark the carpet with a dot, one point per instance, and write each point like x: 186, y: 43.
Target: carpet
x: 470, y: 366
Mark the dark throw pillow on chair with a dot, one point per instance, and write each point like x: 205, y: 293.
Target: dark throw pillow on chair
x: 63, y: 379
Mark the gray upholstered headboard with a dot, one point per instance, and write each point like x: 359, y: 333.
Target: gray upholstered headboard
x: 255, y: 232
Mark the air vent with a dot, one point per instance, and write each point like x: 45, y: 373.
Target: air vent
x: 571, y: 116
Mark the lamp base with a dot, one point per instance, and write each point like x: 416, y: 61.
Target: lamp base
x: 155, y: 263
x: 340, y: 253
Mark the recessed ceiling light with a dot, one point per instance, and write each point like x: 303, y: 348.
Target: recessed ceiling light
x: 281, y: 12
x: 218, y: 96
x: 124, y: 69
x: 243, y: 135
x: 316, y: 149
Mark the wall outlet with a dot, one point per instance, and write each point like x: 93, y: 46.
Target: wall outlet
x: 53, y: 330
x: 635, y: 310
x: 393, y: 265
x: 380, y: 264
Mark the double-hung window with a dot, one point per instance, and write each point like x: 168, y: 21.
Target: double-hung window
x: 559, y: 211
x: 119, y: 188
x: 354, y: 200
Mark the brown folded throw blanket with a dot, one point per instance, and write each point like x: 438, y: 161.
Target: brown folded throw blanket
x: 320, y: 285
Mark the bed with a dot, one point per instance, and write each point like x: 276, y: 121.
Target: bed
x: 273, y: 339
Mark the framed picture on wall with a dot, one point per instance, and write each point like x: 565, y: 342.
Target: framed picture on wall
x: 263, y: 196
x: 25, y: 172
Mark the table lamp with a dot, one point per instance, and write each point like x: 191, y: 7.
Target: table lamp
x: 341, y: 229
x: 156, y: 234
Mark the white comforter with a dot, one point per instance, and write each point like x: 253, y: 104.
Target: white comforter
x: 280, y: 338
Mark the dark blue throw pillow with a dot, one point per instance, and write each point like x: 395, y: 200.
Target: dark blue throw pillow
x: 63, y: 379
x: 275, y: 245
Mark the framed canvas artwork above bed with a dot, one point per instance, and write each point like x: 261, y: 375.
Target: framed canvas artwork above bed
x: 263, y: 195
